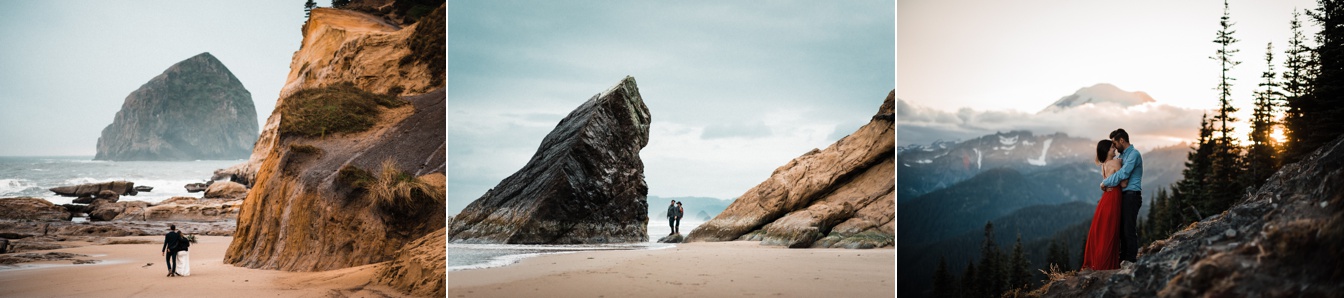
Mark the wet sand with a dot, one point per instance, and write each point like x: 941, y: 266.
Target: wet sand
x: 718, y: 269
x: 124, y: 270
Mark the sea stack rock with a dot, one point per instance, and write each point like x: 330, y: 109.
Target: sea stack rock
x: 585, y: 184
x: 843, y: 196
x: 194, y: 110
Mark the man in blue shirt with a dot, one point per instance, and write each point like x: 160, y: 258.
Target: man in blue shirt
x: 1131, y: 199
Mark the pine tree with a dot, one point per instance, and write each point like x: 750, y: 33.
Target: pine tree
x: 1058, y: 255
x: 1226, y: 156
x: 1299, y: 71
x: 1322, y: 118
x: 944, y: 284
x: 1192, y: 191
x: 1019, y: 276
x: 308, y: 8
x: 992, y: 277
x: 969, y: 288
x: 1262, y: 156
x: 339, y: 3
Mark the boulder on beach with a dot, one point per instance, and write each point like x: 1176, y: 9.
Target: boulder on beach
x: 124, y: 188
x: 105, y: 210
x: 193, y: 209
x: 31, y: 209
x: 585, y: 184
x: 196, y: 109
x: 196, y: 187
x: 842, y: 196
x: 226, y: 190
x: 674, y: 238
x: 144, y: 188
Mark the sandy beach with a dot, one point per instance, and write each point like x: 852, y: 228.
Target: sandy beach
x: 717, y: 269
x: 122, y: 271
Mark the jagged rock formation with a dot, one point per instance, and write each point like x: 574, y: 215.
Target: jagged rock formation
x: 843, y: 196
x: 225, y: 190
x: 194, y: 110
x: 585, y: 184
x: 323, y: 198
x: 344, y: 46
x: 419, y: 269
x: 1285, y: 239
x: 31, y: 209
x: 90, y: 190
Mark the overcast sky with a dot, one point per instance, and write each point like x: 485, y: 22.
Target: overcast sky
x: 66, y: 66
x: 735, y: 89
x: 1006, y: 60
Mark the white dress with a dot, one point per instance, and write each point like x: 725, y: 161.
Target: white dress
x: 184, y: 263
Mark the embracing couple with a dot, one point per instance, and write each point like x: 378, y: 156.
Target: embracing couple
x: 1114, y: 235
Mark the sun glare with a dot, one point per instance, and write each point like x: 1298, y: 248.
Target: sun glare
x: 1277, y: 135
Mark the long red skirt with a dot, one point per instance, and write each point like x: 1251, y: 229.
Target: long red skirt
x: 1103, y: 246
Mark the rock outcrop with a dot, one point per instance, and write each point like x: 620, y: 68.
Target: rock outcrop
x: 585, y: 184
x: 1285, y: 239
x: 89, y: 190
x: 354, y: 199
x: 344, y: 46
x: 843, y: 196
x: 31, y: 209
x: 419, y: 269
x: 194, y: 110
x: 225, y: 190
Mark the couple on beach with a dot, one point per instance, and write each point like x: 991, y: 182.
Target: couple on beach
x: 174, y: 249
x: 1114, y: 235
x: 674, y: 213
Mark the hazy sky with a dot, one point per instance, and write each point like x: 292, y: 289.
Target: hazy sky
x: 735, y: 89
x: 66, y: 66
x: 1016, y: 57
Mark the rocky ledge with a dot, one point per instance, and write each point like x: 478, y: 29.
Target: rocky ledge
x: 585, y: 184
x: 843, y: 196
x: 1285, y: 239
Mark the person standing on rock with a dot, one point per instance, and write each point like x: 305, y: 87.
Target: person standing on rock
x: 1131, y: 198
x: 169, y: 250
x: 680, y: 213
x: 672, y: 216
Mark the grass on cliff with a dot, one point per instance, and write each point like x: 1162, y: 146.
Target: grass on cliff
x: 336, y: 109
x: 427, y: 45
x: 398, y: 191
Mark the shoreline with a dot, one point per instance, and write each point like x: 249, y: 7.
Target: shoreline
x: 135, y: 270
x: 711, y: 269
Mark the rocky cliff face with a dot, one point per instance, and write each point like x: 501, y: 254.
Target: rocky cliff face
x: 843, y: 196
x: 194, y: 110
x: 32, y: 209
x: 353, y: 199
x: 419, y: 268
x: 343, y: 46
x: 585, y: 184
x: 1286, y: 239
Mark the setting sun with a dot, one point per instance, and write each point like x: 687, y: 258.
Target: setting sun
x: 1277, y: 135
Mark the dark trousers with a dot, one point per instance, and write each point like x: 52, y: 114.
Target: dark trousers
x: 171, y: 260
x: 674, y: 222
x: 1129, y: 232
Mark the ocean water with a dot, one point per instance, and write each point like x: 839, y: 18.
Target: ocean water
x: 32, y: 176
x: 478, y: 256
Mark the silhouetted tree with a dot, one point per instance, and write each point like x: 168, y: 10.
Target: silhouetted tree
x: 1262, y: 156
x: 944, y: 284
x: 969, y: 288
x: 1019, y: 275
x: 992, y: 279
x: 1226, y: 178
x: 1322, y: 116
x: 1299, y: 72
x: 1058, y: 255
x: 339, y: 3
x: 308, y: 8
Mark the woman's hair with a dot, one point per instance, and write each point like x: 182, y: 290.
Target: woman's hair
x: 1103, y: 147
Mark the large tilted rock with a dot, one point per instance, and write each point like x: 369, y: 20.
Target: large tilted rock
x: 195, y: 109
x: 842, y: 196
x: 31, y: 209
x: 585, y: 184
x: 316, y: 208
x: 1285, y: 239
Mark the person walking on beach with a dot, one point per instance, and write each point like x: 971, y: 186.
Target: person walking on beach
x: 169, y: 250
x: 673, y: 216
